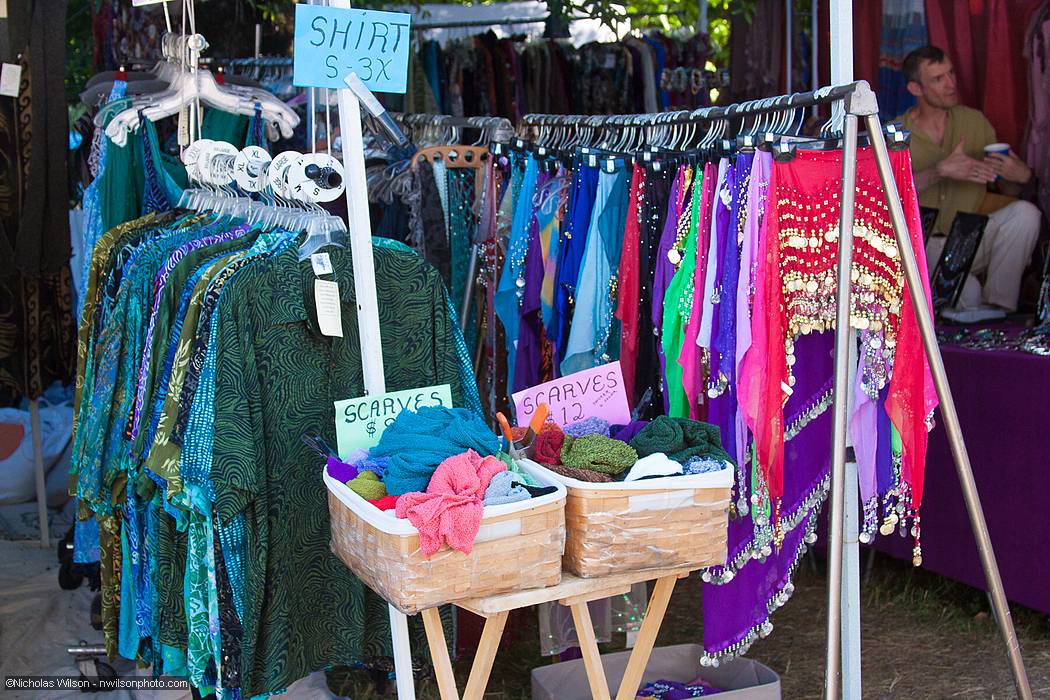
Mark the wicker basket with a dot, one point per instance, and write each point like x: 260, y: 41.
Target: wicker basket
x: 676, y: 521
x: 519, y: 546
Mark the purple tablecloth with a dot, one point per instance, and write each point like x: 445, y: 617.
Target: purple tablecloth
x: 1002, y: 398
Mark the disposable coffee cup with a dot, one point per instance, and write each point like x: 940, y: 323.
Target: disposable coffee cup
x: 1002, y: 149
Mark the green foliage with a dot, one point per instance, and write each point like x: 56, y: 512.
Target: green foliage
x: 79, y: 48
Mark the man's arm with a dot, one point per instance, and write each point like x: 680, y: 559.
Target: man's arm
x: 957, y: 166
x: 1014, y: 172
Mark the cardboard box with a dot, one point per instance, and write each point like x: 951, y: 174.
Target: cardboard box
x: 739, y: 679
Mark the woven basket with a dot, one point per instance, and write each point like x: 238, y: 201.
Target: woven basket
x: 519, y: 546
x: 665, y: 523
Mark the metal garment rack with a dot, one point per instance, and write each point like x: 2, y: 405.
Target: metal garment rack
x: 858, y: 102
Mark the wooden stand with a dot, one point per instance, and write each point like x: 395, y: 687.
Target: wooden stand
x: 575, y: 593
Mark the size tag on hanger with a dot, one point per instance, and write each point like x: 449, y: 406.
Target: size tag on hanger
x: 321, y: 263
x: 10, y: 77
x: 326, y: 299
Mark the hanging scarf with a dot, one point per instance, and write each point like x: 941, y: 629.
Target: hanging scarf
x: 795, y: 295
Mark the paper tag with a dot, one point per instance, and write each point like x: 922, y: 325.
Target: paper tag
x: 326, y: 298
x: 593, y: 393
x: 3, y: 9
x: 10, y: 77
x: 321, y: 263
x: 142, y: 3
x: 359, y: 423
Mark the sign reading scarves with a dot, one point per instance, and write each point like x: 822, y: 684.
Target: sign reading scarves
x: 331, y: 43
x: 593, y: 393
x: 360, y: 422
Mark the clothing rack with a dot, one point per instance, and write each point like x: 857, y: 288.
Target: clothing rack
x: 858, y: 102
x: 499, y: 130
x: 455, y: 24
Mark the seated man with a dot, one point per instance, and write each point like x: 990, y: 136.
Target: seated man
x: 952, y: 173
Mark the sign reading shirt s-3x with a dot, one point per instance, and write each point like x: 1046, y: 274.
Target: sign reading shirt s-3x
x: 332, y: 42
x: 359, y: 423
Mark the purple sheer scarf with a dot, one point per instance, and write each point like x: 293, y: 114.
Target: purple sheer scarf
x: 739, y: 598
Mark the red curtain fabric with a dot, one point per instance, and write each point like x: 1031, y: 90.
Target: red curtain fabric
x: 985, y: 39
x: 867, y: 18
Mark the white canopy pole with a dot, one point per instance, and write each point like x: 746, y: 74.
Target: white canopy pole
x: 842, y: 73
x: 360, y: 227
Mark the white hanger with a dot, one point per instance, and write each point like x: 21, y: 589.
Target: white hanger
x: 191, y: 86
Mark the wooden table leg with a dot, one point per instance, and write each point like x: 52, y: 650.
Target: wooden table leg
x: 643, y: 646
x: 592, y: 659
x: 446, y: 679
x: 487, y: 648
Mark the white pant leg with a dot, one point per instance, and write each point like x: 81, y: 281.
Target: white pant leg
x: 1005, y: 251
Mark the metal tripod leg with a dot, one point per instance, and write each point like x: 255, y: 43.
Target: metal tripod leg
x: 844, y: 339
x: 948, y: 413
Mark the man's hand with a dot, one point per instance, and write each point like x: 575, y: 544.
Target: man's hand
x: 959, y: 166
x: 1010, y: 167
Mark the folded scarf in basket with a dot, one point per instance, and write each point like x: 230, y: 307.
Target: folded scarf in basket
x: 597, y: 453
x: 546, y: 449
x: 627, y: 432
x: 416, y: 443
x: 341, y: 471
x: 504, y: 488
x: 588, y: 426
x: 580, y: 474
x: 387, y: 502
x: 450, y: 511
x: 521, y: 476
x: 704, y: 465
x: 680, y: 439
x: 653, y: 466
x: 368, y: 486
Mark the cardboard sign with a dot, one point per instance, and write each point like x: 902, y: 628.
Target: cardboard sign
x: 330, y: 43
x: 593, y: 393
x: 359, y: 423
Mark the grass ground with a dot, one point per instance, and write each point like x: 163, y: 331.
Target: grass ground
x: 923, y: 637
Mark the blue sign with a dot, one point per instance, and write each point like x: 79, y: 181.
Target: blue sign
x: 331, y: 42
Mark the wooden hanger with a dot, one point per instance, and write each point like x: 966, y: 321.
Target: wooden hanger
x: 453, y: 156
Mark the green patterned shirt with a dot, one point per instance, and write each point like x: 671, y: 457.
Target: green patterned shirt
x: 276, y: 380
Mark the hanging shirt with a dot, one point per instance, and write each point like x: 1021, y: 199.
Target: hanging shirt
x: 277, y: 376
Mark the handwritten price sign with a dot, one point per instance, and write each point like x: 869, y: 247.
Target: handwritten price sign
x: 593, y: 393
x: 331, y: 43
x: 359, y: 423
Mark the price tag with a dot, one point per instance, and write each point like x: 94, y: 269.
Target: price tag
x: 593, y: 393
x: 329, y: 316
x: 10, y: 77
x: 331, y: 43
x: 359, y: 423
x: 322, y: 264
